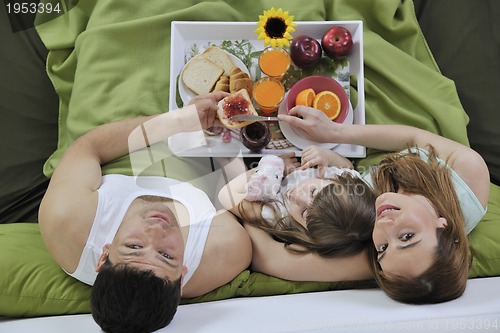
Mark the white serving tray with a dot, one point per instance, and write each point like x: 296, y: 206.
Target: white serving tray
x: 185, y: 34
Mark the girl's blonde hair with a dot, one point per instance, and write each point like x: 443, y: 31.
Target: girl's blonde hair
x: 339, y: 220
x: 447, y: 277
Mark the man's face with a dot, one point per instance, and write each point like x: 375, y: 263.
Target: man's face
x: 149, y: 238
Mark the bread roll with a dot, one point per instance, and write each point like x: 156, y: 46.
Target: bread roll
x: 221, y: 87
x: 235, y: 71
x: 224, y: 79
x: 241, y: 75
x: 238, y: 84
x: 222, y: 84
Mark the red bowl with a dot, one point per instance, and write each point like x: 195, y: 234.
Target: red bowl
x: 320, y: 83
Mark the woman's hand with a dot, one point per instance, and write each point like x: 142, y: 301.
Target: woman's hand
x: 312, y: 124
x: 291, y: 162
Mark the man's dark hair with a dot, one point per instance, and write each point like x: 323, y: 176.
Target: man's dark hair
x: 125, y: 299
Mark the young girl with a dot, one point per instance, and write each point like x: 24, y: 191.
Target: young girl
x: 324, y: 212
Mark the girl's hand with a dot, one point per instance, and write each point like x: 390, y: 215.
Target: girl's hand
x: 314, y: 156
x: 291, y: 162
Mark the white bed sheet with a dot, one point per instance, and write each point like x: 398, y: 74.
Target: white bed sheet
x: 478, y: 310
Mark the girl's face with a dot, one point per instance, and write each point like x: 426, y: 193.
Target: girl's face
x: 302, y: 195
x: 405, y: 233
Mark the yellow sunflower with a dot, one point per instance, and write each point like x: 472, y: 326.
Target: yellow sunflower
x: 274, y: 27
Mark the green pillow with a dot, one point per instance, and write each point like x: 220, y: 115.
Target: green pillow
x: 485, y: 239
x: 31, y: 283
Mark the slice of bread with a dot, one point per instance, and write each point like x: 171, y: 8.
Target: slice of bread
x: 201, y: 74
x: 220, y: 58
x: 235, y: 104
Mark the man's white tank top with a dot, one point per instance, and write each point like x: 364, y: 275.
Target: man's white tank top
x: 117, y: 192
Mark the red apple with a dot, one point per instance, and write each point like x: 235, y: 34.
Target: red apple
x: 337, y: 42
x: 305, y: 51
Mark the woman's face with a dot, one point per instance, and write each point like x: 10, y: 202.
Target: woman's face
x: 405, y: 233
x: 302, y: 195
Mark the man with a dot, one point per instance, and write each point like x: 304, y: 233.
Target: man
x: 144, y: 241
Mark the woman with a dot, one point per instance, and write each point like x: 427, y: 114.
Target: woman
x: 427, y: 202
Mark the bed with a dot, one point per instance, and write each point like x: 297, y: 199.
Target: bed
x: 94, y: 74
x: 333, y: 311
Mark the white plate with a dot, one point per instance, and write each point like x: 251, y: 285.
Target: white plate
x: 187, y: 94
x: 300, y: 142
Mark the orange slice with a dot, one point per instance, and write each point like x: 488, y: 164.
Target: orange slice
x: 328, y: 102
x: 305, y: 97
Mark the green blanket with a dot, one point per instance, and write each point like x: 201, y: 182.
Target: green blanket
x: 109, y: 60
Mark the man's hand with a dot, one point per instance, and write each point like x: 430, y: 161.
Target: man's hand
x: 206, y: 109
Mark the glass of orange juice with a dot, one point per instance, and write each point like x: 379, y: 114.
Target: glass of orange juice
x: 274, y: 62
x: 268, y: 93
